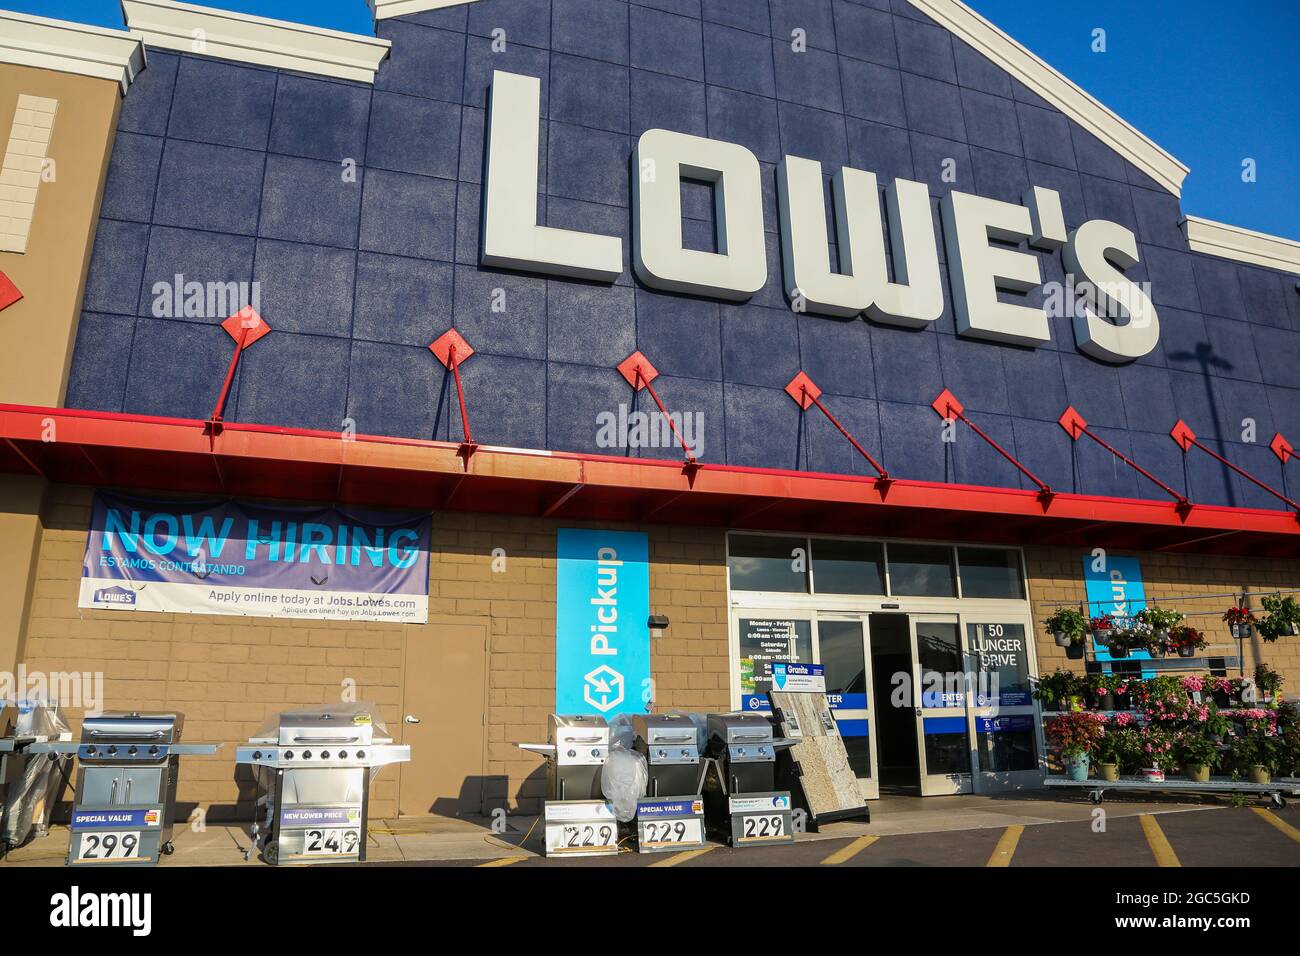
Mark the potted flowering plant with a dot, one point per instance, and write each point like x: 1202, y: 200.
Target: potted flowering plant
x: 1282, y: 617
x: 1159, y: 621
x: 1101, y: 628
x: 1135, y: 637
x: 1067, y: 626
x: 1186, y: 640
x: 1101, y: 688
x: 1197, y: 754
x: 1254, y: 755
x: 1222, y: 689
x: 1268, y: 681
x: 1060, y: 690
x: 1239, y: 621
x: 1074, y: 736
x: 1117, y: 747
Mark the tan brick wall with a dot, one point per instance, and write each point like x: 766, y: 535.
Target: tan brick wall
x: 1186, y: 582
x: 228, y: 674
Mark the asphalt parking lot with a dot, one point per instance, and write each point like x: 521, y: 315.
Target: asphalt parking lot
x: 1219, y: 836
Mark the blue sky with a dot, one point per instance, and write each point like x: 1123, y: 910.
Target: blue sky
x: 1213, y: 83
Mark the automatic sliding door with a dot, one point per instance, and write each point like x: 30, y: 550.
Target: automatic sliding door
x: 939, y: 676
x: 843, y: 651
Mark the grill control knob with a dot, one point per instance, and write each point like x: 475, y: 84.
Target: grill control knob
x: 740, y: 752
x: 257, y: 755
x: 90, y: 751
x: 131, y: 751
x: 324, y: 755
x: 343, y: 755
x: 573, y: 753
x: 153, y: 751
x: 595, y: 753
x: 112, y: 751
x: 306, y: 755
x: 663, y: 754
x: 686, y: 753
x: 288, y: 755
x: 361, y: 755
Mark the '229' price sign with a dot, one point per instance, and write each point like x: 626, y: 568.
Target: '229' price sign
x: 580, y: 828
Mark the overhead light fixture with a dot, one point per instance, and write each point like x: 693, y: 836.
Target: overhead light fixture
x: 658, y: 624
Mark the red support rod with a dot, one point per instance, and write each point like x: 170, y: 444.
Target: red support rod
x: 220, y: 408
x: 1043, y: 487
x: 460, y: 394
x: 686, y: 449
x: 884, y: 475
x: 1245, y: 474
x: 1180, y: 498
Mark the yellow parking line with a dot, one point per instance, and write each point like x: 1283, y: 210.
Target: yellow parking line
x: 683, y: 856
x: 505, y: 860
x: 1006, y: 848
x: 1282, y: 825
x: 846, y: 853
x: 1160, y: 848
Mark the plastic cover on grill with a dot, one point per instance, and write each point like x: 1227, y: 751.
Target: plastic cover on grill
x: 31, y: 793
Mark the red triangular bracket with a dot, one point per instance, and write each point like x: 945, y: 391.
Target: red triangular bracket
x: 1182, y: 434
x: 947, y: 406
x: 627, y: 368
x: 1282, y: 448
x: 803, y: 390
x: 1073, y: 423
x: 9, y: 293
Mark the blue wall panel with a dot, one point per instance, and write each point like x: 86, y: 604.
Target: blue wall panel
x: 231, y: 173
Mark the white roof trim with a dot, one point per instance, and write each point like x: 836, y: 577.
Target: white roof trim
x: 1242, y: 245
x: 387, y: 9
x: 65, y: 47
x: 1003, y: 50
x: 248, y: 39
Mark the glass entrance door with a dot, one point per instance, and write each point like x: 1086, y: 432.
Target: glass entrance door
x: 843, y: 651
x: 940, y: 700
x: 1005, y: 725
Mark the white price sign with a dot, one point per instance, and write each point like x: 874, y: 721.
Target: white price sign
x: 762, y: 827
x: 684, y: 831
x: 581, y: 837
x: 331, y: 841
x: 109, y: 845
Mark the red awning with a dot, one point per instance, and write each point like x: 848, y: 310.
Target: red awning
x: 177, y: 455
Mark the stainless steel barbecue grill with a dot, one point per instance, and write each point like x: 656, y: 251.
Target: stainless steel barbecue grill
x: 745, y: 748
x: 668, y: 743
x: 741, y: 801
x: 126, y: 786
x: 314, y: 768
x: 576, y: 749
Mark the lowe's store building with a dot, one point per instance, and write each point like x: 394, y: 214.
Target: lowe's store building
x: 535, y: 356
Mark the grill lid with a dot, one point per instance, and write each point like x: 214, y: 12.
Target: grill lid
x: 132, y: 727
x: 739, y: 728
x: 351, y: 724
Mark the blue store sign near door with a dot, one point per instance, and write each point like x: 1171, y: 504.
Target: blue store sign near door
x: 602, y: 633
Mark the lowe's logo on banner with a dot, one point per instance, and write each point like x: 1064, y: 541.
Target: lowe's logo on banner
x: 602, y: 611
x: 201, y: 557
x: 1114, y: 586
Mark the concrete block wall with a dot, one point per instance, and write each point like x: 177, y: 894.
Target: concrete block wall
x: 1185, y: 582
x: 229, y: 674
